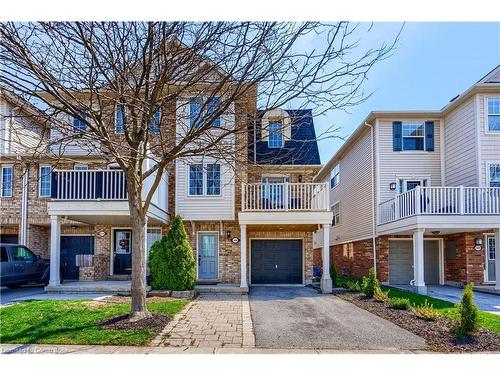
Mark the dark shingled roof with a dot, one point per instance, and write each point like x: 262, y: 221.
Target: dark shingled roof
x: 302, y: 149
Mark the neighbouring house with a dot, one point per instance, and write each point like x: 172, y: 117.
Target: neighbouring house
x: 250, y: 221
x: 416, y: 194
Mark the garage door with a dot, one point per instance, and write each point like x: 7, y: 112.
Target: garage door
x: 71, y: 246
x: 276, y: 262
x: 401, y: 262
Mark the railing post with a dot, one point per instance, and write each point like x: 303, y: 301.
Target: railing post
x: 418, y: 200
x: 462, y: 200
x: 397, y: 215
x: 327, y: 196
x: 285, y: 196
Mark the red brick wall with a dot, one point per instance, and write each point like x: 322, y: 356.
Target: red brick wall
x: 468, y: 265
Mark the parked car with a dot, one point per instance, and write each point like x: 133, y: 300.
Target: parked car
x: 19, y: 265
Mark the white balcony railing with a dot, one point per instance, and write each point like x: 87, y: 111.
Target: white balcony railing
x: 285, y: 197
x: 88, y: 185
x: 441, y: 201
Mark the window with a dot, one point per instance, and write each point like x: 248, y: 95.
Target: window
x: 44, y: 180
x: 494, y: 114
x: 81, y: 167
x: 79, y: 122
x: 413, y: 136
x: 6, y: 181
x: 213, y: 179
x: 407, y: 185
x: 154, y: 123
x: 196, y: 115
x: 491, y: 248
x: 153, y: 235
x: 196, y: 179
x: 276, y: 138
x: 494, y: 175
x: 335, y: 176
x: 336, y: 214
x: 20, y: 254
x: 120, y: 119
x: 5, y: 257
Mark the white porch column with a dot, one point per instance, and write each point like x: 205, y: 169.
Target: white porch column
x: 418, y: 261
x: 55, y: 253
x: 497, y: 258
x: 243, y: 256
x: 326, y: 281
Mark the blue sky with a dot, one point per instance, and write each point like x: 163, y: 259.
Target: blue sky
x: 432, y: 63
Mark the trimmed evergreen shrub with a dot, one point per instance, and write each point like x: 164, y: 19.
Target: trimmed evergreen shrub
x: 333, y: 274
x: 400, y: 303
x: 380, y: 296
x: 468, y: 310
x: 370, y: 283
x: 171, y: 260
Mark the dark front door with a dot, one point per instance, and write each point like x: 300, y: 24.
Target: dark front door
x: 207, y: 256
x: 71, y: 246
x: 123, y: 252
x: 276, y: 262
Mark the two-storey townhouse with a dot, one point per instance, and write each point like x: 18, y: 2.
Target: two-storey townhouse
x: 416, y: 194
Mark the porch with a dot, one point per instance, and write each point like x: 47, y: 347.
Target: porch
x: 99, y: 198
x: 277, y: 221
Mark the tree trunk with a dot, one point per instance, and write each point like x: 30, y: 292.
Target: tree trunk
x: 138, y: 287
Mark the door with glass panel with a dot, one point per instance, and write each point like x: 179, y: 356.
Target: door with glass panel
x: 273, y: 192
x: 208, y: 263
x: 490, y: 259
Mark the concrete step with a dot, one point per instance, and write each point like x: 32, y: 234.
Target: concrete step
x: 221, y: 288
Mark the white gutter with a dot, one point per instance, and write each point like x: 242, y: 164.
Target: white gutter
x: 24, y: 207
x: 374, y: 228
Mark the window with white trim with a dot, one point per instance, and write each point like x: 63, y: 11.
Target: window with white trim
x: 79, y: 122
x: 335, y: 176
x: 6, y: 179
x: 201, y: 109
x: 153, y: 235
x: 494, y: 114
x: 205, y: 179
x: 154, y: 123
x: 494, y: 175
x: 44, y: 180
x: 491, y: 248
x: 120, y: 119
x: 336, y: 214
x: 276, y: 138
x: 81, y: 167
x: 413, y: 136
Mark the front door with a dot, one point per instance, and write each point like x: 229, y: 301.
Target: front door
x: 208, y: 263
x: 490, y: 259
x: 123, y: 252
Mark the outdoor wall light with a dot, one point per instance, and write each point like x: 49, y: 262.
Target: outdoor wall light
x: 392, y: 186
x: 478, y: 241
x: 228, y: 234
x: 300, y: 178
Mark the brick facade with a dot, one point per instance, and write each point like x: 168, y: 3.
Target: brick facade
x: 467, y: 264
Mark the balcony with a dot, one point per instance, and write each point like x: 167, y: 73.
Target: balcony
x: 100, y: 196
x: 285, y: 203
x: 441, y: 207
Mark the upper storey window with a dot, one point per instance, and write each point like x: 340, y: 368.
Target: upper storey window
x: 198, y: 114
x: 413, y: 136
x: 119, y: 119
x: 6, y: 178
x: 335, y: 176
x: 79, y: 122
x: 276, y: 137
x: 494, y: 114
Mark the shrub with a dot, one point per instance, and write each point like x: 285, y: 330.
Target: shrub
x: 468, y: 322
x: 171, y: 260
x: 400, y: 303
x: 353, y: 285
x: 370, y: 283
x: 425, y: 311
x: 380, y: 296
x: 333, y: 274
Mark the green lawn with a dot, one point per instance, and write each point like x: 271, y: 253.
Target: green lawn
x: 73, y: 322
x: 486, y: 320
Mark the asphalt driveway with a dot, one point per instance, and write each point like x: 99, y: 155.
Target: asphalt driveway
x: 300, y: 317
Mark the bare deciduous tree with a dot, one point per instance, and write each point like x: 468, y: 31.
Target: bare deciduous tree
x: 87, y: 70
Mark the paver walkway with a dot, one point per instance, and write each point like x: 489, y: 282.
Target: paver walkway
x: 211, y: 321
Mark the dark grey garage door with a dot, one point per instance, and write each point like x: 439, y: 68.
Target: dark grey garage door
x: 276, y: 262
x: 71, y: 246
x: 401, y: 262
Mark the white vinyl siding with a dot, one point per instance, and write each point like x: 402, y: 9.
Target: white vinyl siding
x: 204, y: 207
x: 460, y: 146
x: 408, y: 165
x: 354, y: 191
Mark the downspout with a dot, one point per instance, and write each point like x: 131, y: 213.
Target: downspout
x: 374, y: 228
x: 24, y: 207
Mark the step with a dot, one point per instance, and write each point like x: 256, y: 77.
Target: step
x: 221, y: 288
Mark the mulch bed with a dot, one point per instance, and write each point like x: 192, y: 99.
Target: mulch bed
x: 155, y: 322
x: 438, y: 334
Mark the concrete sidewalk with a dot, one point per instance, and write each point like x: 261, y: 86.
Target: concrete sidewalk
x: 104, y: 349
